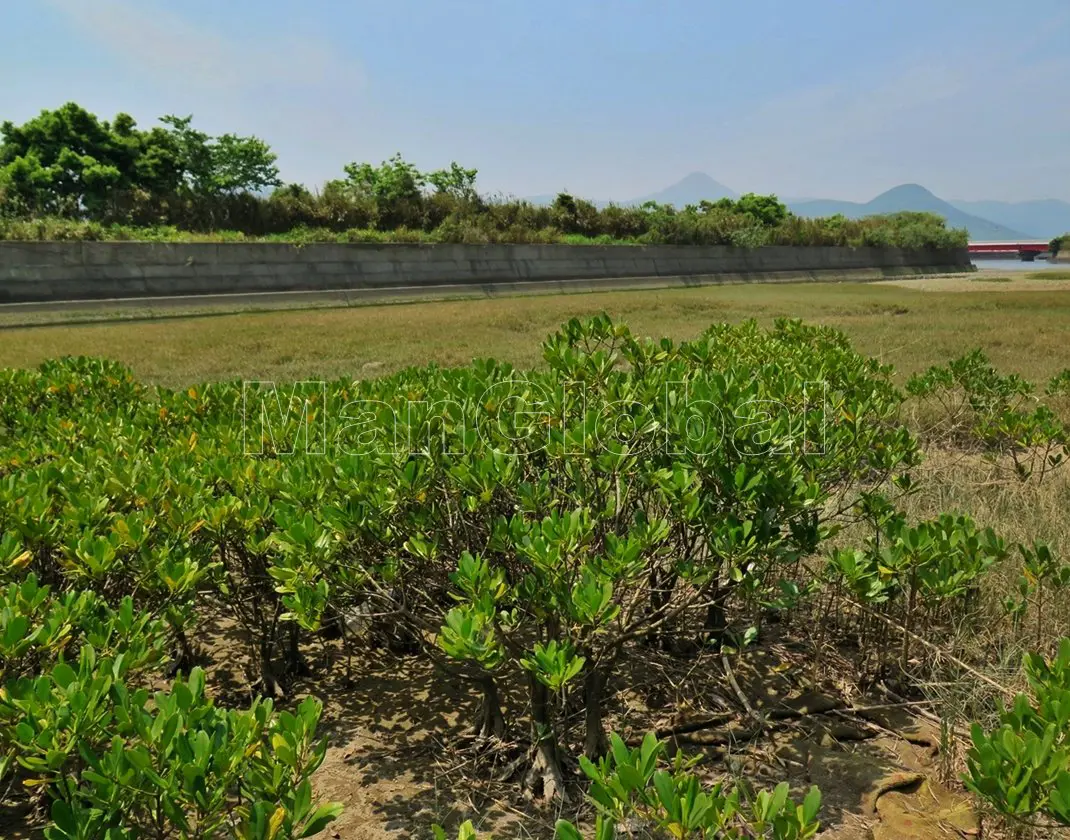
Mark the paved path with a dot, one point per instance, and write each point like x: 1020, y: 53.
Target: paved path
x: 120, y: 309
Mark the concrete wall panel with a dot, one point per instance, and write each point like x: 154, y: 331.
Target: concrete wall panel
x: 52, y: 271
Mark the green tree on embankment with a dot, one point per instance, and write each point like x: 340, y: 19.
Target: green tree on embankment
x: 66, y: 174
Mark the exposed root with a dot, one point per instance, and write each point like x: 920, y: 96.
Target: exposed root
x: 268, y: 687
x: 184, y: 657
x: 266, y: 684
x: 545, y: 779
x: 299, y: 667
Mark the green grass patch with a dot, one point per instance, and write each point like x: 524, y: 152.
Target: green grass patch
x: 1051, y: 274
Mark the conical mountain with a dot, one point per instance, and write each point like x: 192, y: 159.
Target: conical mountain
x: 693, y: 188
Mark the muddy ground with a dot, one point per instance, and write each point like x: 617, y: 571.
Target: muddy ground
x: 400, y: 757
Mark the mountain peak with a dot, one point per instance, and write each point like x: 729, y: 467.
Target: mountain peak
x: 910, y: 197
x: 908, y: 192
x: 691, y: 189
x: 696, y: 178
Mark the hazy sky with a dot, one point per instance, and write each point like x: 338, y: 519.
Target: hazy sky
x: 608, y: 98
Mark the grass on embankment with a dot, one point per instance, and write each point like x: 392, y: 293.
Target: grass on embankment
x: 65, y: 230
x: 1024, y: 332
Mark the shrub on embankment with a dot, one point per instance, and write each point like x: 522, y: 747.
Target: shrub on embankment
x: 688, y: 227
x: 67, y: 175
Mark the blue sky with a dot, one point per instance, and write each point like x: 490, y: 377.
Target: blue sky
x: 824, y: 98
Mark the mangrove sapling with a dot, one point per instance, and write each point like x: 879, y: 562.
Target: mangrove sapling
x: 240, y: 534
x: 1022, y: 767
x: 980, y: 409
x: 563, y: 593
x: 1042, y: 574
x: 638, y: 788
x: 471, y: 633
x: 917, y: 573
x: 172, y: 763
x: 303, y: 548
x: 741, y: 502
x: 492, y: 615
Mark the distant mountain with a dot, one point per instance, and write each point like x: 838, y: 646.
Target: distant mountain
x: 916, y: 198
x: 1043, y: 219
x: 692, y: 189
x: 985, y: 220
x: 696, y: 187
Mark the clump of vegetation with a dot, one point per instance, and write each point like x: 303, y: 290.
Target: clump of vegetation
x: 116, y: 760
x: 526, y: 532
x: 1023, y: 767
x: 68, y: 175
x: 976, y: 406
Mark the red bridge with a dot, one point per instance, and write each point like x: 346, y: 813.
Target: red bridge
x: 1027, y: 251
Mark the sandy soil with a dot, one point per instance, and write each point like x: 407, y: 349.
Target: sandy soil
x: 984, y: 280
x: 400, y: 759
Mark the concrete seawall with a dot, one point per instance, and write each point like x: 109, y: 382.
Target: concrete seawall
x: 71, y: 271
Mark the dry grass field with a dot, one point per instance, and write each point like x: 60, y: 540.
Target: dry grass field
x: 1023, y: 324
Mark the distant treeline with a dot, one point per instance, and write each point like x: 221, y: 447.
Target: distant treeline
x: 67, y: 174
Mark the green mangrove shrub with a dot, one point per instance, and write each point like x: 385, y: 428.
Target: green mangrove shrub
x: 1022, y: 767
x: 525, y: 531
x: 972, y: 405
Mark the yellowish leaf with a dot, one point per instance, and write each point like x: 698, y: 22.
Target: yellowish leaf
x: 276, y: 822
